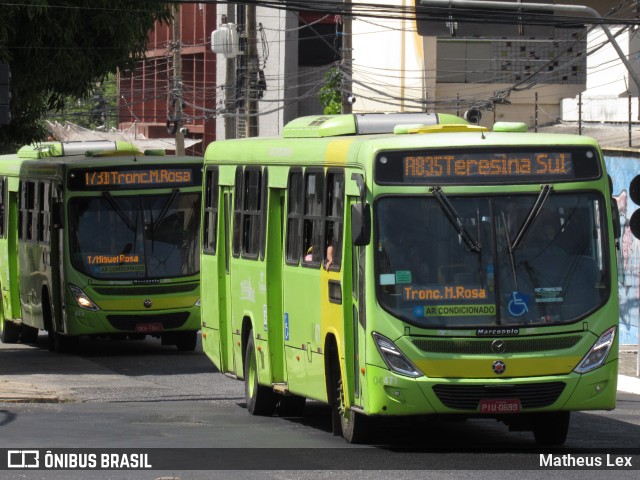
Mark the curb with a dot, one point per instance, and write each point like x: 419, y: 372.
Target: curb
x: 15, y: 392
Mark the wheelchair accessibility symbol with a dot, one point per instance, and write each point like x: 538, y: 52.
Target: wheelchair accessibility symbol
x: 518, y: 304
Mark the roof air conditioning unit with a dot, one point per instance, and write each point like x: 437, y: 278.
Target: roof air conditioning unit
x: 225, y: 41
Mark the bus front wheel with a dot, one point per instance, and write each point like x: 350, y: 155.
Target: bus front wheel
x: 551, y: 428
x: 353, y: 425
x: 260, y: 400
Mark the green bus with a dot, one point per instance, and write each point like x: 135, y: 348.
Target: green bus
x: 99, y: 239
x: 412, y: 265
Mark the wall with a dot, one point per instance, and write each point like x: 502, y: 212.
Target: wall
x: 622, y: 168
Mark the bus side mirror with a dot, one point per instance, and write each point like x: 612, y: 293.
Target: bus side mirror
x: 360, y: 224
x: 57, y: 215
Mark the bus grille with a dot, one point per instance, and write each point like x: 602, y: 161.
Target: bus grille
x: 467, y: 397
x: 467, y: 346
x: 129, y: 322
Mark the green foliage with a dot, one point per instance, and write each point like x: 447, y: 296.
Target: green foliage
x: 97, y: 109
x: 330, y: 94
x: 61, y: 49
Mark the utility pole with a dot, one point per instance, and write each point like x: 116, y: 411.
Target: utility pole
x: 177, y: 81
x: 230, y: 85
x: 251, y: 87
x: 347, y: 60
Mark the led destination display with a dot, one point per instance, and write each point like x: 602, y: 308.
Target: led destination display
x: 478, y: 167
x: 152, y: 177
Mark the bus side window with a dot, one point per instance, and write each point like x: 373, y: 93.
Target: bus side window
x: 44, y: 208
x: 334, y: 220
x: 251, y: 213
x: 294, y: 217
x: 313, y: 223
x: 27, y: 209
x: 210, y: 211
x: 237, y: 212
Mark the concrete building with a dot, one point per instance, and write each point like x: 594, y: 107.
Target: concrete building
x: 148, y: 96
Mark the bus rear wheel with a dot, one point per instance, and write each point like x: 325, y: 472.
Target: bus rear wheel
x: 260, y: 400
x: 551, y: 428
x: 9, y: 331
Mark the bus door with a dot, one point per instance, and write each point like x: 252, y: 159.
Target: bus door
x: 355, y: 323
x: 273, y: 316
x: 224, y: 288
x: 55, y: 214
x: 12, y: 247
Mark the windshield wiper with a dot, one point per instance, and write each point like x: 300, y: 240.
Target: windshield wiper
x: 165, y: 209
x: 456, y: 221
x: 510, y: 249
x: 533, y: 214
x: 121, y: 213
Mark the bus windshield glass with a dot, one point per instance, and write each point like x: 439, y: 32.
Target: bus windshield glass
x: 136, y: 237
x: 472, y: 262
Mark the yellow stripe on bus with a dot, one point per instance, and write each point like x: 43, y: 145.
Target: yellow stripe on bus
x: 514, y: 367
x: 337, y: 151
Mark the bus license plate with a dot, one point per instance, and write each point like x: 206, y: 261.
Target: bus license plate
x: 499, y: 405
x: 149, y: 327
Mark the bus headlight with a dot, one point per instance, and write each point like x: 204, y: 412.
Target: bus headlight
x: 598, y: 353
x: 197, y: 304
x: 81, y: 298
x: 394, y: 358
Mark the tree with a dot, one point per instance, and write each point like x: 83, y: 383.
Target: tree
x: 330, y: 95
x: 98, y: 109
x: 58, y: 49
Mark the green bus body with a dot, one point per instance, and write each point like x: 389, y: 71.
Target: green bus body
x: 499, y: 325
x: 99, y: 239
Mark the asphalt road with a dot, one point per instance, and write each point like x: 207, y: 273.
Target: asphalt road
x: 140, y: 395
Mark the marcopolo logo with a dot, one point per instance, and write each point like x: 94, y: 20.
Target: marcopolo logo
x: 23, y: 459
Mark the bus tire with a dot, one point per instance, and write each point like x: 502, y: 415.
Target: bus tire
x: 260, y: 400
x: 29, y: 334
x: 352, y: 425
x: 187, y: 341
x: 551, y: 428
x: 291, y: 406
x: 9, y: 331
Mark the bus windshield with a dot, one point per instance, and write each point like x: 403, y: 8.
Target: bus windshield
x: 135, y: 237
x: 479, y: 262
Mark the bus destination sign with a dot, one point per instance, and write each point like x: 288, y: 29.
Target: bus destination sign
x: 127, y: 178
x: 432, y: 168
